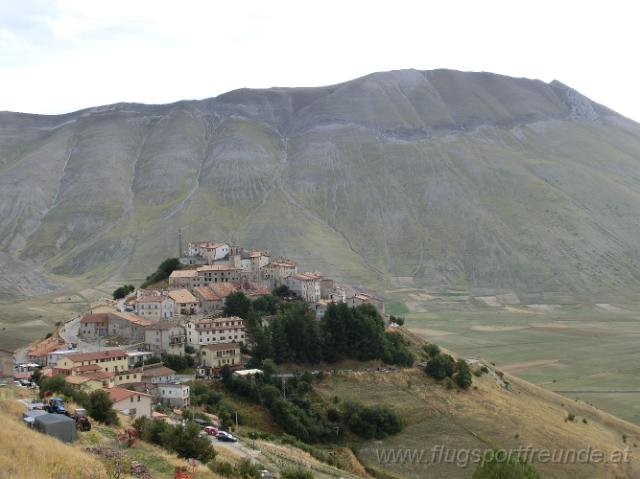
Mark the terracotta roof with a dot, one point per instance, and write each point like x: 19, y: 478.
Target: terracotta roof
x: 218, y: 267
x: 45, y: 347
x: 211, y: 320
x: 94, y: 318
x: 118, y: 394
x: 306, y: 276
x: 182, y: 296
x: 108, y: 354
x: 99, y: 375
x: 222, y: 290
x: 77, y: 379
x: 367, y: 297
x: 132, y: 318
x: 183, y: 273
x: 152, y: 298
x: 162, y: 326
x: 221, y: 346
x: 286, y: 263
x: 158, y: 371
x: 207, y: 294
x: 87, y: 368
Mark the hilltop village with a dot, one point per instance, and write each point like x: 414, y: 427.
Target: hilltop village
x: 127, y: 349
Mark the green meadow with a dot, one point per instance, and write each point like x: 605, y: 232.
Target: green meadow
x: 587, y: 351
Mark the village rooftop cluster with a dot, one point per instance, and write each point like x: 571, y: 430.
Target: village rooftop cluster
x: 112, y: 350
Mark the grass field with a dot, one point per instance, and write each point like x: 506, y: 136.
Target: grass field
x: 582, y: 350
x: 485, y: 417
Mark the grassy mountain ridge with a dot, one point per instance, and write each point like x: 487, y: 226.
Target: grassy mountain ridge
x: 438, y: 178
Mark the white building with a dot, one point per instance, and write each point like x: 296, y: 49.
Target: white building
x: 306, y: 286
x: 155, y: 307
x: 215, y: 330
x: 208, y: 251
x: 167, y: 338
x: 174, y: 395
x: 131, y: 403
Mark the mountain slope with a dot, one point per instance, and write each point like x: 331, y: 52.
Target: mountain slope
x: 440, y: 177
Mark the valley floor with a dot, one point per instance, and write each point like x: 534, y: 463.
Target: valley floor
x: 583, y: 350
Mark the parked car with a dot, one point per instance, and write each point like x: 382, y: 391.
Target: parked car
x: 210, y: 431
x: 225, y: 437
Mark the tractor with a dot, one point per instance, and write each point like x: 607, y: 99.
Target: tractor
x: 81, y: 419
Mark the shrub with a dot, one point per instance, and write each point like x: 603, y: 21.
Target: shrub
x: 431, y: 350
x: 571, y: 417
x: 185, y: 441
x: 165, y: 269
x: 463, y: 374
x: 296, y: 473
x: 123, y: 291
x: 371, y: 422
x: 224, y: 469
x: 500, y: 464
x: 440, y: 366
x: 99, y: 407
x: 449, y: 384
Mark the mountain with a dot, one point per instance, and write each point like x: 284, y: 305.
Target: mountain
x: 434, y: 178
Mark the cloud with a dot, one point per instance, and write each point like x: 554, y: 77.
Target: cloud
x: 161, y: 51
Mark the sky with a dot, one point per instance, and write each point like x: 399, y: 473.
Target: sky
x: 58, y: 56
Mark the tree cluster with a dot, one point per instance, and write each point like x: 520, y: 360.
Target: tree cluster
x: 297, y: 416
x: 184, y: 440
x: 167, y: 267
x: 371, y: 422
x: 296, y: 336
x: 441, y: 366
x: 178, y: 363
x: 123, y: 291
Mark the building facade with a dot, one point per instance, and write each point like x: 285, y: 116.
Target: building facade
x: 306, y: 286
x: 217, y: 356
x: 167, y: 338
x: 132, y: 403
x: 111, y: 360
x: 215, y: 330
x: 155, y: 307
x: 174, y: 395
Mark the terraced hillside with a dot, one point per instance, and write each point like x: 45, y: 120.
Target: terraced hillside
x: 436, y: 178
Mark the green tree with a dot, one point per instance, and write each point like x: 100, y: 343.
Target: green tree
x: 499, y: 464
x: 334, y: 332
x: 463, y: 377
x: 431, y: 350
x: 123, y: 291
x: 440, y: 366
x: 99, y: 407
x: 282, y: 291
x: 237, y: 304
x: 268, y: 369
x: 165, y: 269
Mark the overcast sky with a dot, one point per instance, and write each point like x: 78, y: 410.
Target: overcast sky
x: 62, y: 55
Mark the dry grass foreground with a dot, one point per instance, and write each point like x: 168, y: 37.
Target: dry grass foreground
x: 28, y: 454
x: 486, y: 416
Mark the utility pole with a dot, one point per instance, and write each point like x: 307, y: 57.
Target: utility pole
x: 179, y: 243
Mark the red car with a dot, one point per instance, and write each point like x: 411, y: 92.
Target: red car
x: 210, y: 430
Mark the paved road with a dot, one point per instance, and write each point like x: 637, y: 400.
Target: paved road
x: 236, y: 448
